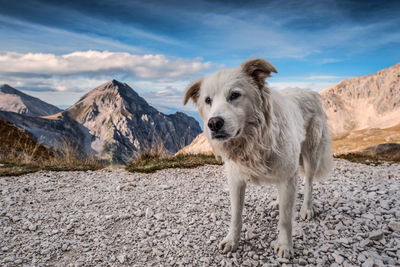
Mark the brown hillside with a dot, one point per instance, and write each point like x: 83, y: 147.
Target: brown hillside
x: 357, y: 141
x: 16, y: 144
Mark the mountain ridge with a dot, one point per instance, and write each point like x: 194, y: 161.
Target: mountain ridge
x: 14, y: 100
x: 370, y: 101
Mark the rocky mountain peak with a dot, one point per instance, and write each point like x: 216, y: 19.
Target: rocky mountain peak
x: 122, y: 123
x: 5, y: 88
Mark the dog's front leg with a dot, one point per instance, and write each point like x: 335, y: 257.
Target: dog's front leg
x: 237, y: 190
x: 287, y: 191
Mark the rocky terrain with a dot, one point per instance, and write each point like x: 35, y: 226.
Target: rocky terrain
x: 14, y: 100
x: 177, y: 217
x: 371, y: 101
x: 110, y: 118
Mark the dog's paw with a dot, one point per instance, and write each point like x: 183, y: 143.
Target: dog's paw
x: 229, y: 244
x: 306, y: 212
x: 283, y: 251
x: 274, y: 205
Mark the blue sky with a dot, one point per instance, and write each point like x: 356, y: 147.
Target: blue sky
x: 59, y: 50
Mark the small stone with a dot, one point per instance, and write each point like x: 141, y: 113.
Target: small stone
x: 79, y: 232
x: 368, y: 263
x: 213, y: 217
x: 8, y: 259
x: 159, y: 216
x: 302, y: 262
x: 331, y: 232
x: 343, y: 240
x: 138, y: 213
x: 394, y: 226
x: 368, y: 216
x: 250, y: 234
x: 149, y: 213
x: 273, y: 214
x: 45, y: 251
x: 157, y: 252
x: 64, y: 247
x: 361, y: 257
x: 165, y: 187
x: 339, y: 259
x: 385, y: 204
x: 255, y: 257
x: 121, y: 258
x: 247, y: 262
x: 32, y: 227
x: 283, y: 260
x: 376, y: 235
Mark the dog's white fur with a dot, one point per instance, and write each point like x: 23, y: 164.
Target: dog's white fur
x: 270, y: 135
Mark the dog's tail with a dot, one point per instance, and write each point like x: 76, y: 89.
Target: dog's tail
x: 325, y: 165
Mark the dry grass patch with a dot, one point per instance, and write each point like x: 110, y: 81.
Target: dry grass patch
x: 149, y: 162
x: 358, y: 158
x: 359, y: 140
x: 21, y: 154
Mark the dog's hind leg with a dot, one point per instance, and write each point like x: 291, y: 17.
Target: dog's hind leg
x: 312, y: 149
x: 287, y: 192
x: 307, y: 210
x: 237, y: 190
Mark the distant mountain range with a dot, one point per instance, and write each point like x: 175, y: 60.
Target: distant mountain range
x: 111, y: 122
x: 363, y: 113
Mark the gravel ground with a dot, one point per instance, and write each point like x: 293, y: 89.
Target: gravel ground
x: 178, y: 216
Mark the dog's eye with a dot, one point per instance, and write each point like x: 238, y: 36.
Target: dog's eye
x: 208, y: 100
x: 234, y: 95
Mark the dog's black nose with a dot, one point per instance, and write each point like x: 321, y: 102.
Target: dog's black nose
x: 215, y: 124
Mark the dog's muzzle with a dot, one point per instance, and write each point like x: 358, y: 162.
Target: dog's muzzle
x: 216, y: 124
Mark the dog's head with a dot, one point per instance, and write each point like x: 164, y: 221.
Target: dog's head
x: 229, y: 99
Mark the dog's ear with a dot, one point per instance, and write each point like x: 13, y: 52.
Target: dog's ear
x: 193, y: 92
x: 258, y: 69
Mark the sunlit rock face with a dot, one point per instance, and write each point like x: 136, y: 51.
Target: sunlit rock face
x: 371, y: 101
x: 122, y: 123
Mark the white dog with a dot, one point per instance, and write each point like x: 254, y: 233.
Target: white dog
x: 263, y: 136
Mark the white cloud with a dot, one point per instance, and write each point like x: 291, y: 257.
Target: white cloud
x: 52, y: 84
x: 315, y: 86
x: 65, y: 91
x: 100, y: 64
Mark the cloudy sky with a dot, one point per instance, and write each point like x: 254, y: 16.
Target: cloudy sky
x: 59, y: 50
